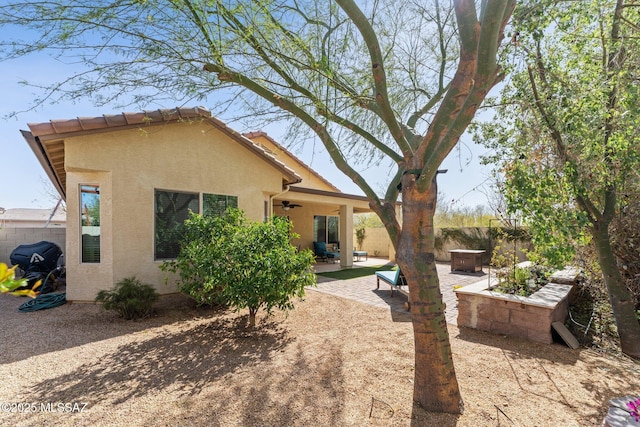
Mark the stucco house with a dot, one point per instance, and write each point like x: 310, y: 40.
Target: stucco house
x: 129, y: 178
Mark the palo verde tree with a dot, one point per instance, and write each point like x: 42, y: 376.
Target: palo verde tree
x: 368, y: 79
x: 568, y: 132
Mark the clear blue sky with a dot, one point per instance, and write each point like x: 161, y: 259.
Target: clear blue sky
x: 23, y: 181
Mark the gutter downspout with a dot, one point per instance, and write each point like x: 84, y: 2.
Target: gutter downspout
x: 270, y: 207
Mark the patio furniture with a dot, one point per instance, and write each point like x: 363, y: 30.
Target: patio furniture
x: 357, y: 255
x: 466, y: 260
x: 393, y: 278
x: 320, y: 251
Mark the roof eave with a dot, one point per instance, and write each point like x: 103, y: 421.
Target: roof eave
x: 40, y: 153
x: 42, y: 133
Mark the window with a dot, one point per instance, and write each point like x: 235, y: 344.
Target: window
x: 326, y: 228
x: 333, y: 230
x: 216, y: 204
x: 172, y: 209
x: 90, y: 223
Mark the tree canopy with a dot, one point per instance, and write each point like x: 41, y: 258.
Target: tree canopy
x: 567, y: 132
x: 367, y: 82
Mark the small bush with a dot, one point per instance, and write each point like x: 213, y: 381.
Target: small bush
x: 591, y: 319
x: 523, y: 281
x: 130, y: 298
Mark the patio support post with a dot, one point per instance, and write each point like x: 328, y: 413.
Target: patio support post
x: 346, y: 236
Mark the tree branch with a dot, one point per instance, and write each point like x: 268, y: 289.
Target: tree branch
x: 556, y: 136
x: 321, y: 107
x: 477, y: 73
x: 614, y: 64
x: 286, y: 105
x: 378, y: 73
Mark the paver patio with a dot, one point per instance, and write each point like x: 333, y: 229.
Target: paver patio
x: 363, y: 289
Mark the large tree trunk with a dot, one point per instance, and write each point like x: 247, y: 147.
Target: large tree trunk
x: 619, y: 296
x: 435, y: 384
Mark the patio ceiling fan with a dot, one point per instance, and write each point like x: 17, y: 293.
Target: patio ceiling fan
x: 286, y: 205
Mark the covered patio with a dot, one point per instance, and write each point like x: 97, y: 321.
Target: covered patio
x: 324, y: 216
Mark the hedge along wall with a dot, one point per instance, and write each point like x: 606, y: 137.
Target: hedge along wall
x: 10, y: 238
x: 377, y: 243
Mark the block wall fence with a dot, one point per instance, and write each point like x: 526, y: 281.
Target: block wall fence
x: 10, y: 238
x: 377, y: 243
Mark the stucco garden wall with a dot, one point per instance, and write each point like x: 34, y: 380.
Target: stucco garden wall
x: 10, y: 238
x: 482, y: 307
x: 524, y: 317
x: 377, y: 242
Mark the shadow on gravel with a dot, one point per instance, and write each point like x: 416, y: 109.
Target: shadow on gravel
x: 24, y: 335
x: 185, y: 361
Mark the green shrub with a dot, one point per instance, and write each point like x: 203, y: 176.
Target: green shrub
x: 130, y: 298
x: 523, y: 281
x: 233, y: 261
x: 361, y: 234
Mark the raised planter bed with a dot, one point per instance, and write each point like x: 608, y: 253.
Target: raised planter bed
x: 530, y: 317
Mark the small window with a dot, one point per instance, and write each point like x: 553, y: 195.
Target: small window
x: 90, y: 223
x: 216, y: 204
x: 171, y: 210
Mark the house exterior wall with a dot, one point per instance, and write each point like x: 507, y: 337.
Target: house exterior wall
x: 129, y: 165
x: 326, y: 205
x: 302, y: 220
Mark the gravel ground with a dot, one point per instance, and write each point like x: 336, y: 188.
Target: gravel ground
x: 330, y: 362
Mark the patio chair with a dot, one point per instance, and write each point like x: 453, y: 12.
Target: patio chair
x: 320, y: 251
x: 393, y: 278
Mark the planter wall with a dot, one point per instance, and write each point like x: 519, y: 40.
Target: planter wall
x: 525, y: 317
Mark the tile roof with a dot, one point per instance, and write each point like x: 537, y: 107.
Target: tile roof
x: 47, y: 139
x: 30, y: 214
x: 256, y: 134
x: 79, y: 124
